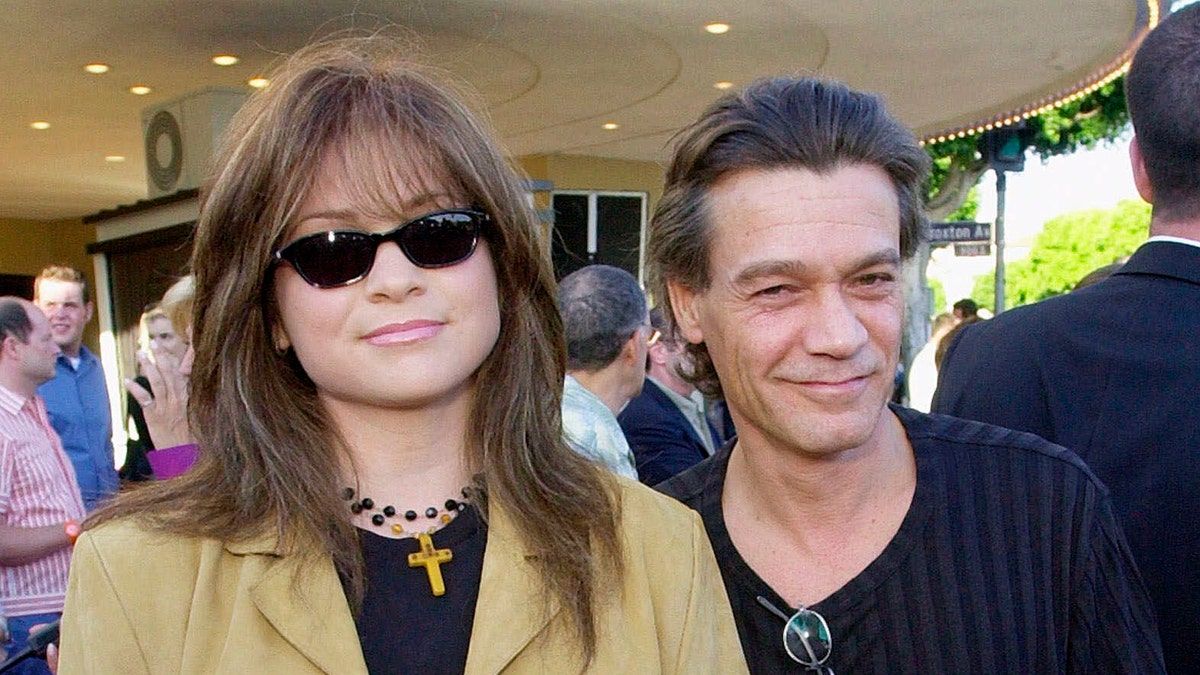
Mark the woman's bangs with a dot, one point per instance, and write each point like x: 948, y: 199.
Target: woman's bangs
x: 383, y: 170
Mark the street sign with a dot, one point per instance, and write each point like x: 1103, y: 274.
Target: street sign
x: 959, y: 230
x: 972, y: 248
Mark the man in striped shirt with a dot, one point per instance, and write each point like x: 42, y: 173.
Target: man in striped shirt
x: 40, y: 502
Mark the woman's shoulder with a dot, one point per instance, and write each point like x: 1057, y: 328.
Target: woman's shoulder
x: 124, y: 532
x: 130, y: 539
x: 651, y: 519
x: 639, y: 495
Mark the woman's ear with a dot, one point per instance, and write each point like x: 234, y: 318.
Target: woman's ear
x: 279, y: 338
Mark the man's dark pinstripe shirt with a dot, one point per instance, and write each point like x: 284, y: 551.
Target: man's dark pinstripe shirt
x: 1009, y: 560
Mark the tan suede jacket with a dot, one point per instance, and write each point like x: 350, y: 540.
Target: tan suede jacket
x: 139, y: 602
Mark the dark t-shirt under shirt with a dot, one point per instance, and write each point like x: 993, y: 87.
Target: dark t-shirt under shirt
x: 1009, y: 560
x: 403, y: 627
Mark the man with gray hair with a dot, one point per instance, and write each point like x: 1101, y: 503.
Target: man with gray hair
x: 608, y: 336
x: 853, y: 535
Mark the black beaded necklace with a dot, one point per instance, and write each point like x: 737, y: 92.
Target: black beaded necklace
x: 429, y: 557
x: 441, y: 516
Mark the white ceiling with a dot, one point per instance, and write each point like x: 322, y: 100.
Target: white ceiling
x: 552, y: 71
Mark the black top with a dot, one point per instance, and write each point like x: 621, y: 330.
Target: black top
x: 1009, y: 560
x: 137, y: 465
x: 403, y: 627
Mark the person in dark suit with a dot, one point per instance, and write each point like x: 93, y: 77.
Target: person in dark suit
x: 666, y: 425
x: 1112, y: 371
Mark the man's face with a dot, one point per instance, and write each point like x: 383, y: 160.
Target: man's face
x: 39, y: 353
x: 667, y: 356
x: 804, y: 312
x: 62, y: 301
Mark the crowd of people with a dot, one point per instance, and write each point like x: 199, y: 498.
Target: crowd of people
x: 374, y: 434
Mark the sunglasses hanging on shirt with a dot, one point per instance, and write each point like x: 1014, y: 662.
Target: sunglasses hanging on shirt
x: 806, y: 637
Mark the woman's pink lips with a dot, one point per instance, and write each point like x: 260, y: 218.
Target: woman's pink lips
x: 399, y: 333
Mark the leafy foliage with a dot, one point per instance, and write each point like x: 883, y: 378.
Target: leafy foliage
x: 1096, y: 118
x: 939, y: 297
x: 969, y: 208
x: 1070, y: 246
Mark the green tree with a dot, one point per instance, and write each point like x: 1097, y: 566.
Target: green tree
x: 939, y: 298
x: 957, y: 164
x: 1070, y: 246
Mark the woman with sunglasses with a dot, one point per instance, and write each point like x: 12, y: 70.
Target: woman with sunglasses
x: 383, y: 485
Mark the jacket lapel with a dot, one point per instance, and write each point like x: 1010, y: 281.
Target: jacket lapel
x: 511, y: 610
x: 668, y: 407
x: 309, y: 611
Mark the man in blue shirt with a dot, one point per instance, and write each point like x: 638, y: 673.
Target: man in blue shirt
x: 76, y: 398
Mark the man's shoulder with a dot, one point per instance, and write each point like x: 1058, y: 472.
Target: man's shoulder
x: 91, y: 368
x: 650, y: 401
x: 705, y: 477
x: 963, y: 440
x: 1027, y: 323
x: 652, y: 410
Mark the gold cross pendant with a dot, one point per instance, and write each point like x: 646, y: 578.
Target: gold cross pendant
x: 431, y: 559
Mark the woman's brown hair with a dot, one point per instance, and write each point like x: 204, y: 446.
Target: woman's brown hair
x: 269, y: 456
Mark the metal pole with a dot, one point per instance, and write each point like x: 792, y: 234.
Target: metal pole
x: 1001, y: 187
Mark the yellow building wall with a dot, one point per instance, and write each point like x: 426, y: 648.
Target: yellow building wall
x: 575, y: 172
x: 26, y: 246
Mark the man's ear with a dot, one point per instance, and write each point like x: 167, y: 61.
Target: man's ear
x: 1140, y: 178
x: 685, y: 305
x: 8, y: 346
x: 91, y: 309
x: 629, y: 351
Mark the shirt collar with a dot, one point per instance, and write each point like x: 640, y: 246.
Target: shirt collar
x: 1176, y: 240
x: 679, y: 399
x: 11, y: 401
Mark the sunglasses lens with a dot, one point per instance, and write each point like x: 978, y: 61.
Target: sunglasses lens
x: 806, y: 638
x: 331, y: 258
x: 440, y: 239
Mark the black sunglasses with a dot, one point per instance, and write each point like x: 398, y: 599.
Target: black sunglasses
x: 342, y: 257
x: 806, y: 637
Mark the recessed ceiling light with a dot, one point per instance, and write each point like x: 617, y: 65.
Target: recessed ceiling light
x: 717, y: 27
x: 610, y: 126
x: 40, y: 125
x: 114, y: 159
x: 225, y: 59
x: 96, y: 68
x: 258, y: 82
x: 722, y: 85
x: 139, y: 90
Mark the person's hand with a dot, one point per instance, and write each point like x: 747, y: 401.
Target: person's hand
x: 165, y: 405
x: 51, y: 649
